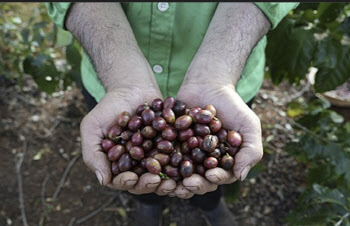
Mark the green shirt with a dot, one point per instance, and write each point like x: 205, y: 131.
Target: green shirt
x: 169, y: 35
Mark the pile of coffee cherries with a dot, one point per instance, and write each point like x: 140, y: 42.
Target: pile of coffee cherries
x: 170, y: 140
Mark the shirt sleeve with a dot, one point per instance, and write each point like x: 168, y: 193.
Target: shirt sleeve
x: 58, y: 11
x: 275, y: 11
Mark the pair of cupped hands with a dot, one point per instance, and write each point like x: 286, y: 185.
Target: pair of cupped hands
x: 231, y: 109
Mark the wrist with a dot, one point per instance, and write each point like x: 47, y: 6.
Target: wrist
x: 211, y: 70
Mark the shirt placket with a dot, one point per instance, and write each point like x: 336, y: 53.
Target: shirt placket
x: 162, y: 25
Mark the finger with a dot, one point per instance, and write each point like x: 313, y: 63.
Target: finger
x: 94, y: 158
x: 165, y: 187
x: 198, y: 184
x: 220, y: 176
x: 250, y: 153
x: 124, y: 181
x: 181, y: 192
x: 147, y: 183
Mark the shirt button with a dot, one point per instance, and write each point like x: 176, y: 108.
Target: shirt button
x: 157, y: 69
x: 163, y: 6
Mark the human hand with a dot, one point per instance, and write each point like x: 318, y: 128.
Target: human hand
x: 94, y: 128
x: 235, y: 115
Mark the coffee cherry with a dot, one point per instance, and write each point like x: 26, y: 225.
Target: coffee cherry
x: 216, y: 153
x: 169, y: 133
x: 153, y: 166
x: 176, y: 158
x: 192, y: 142
x: 171, y: 171
x: 157, y: 104
x: 198, y: 155
x: 124, y: 163
x: 147, y: 145
x: 107, y: 144
x: 231, y: 150
x: 147, y: 116
x: 179, y: 108
x: 114, y: 168
x: 200, y: 141
x: 165, y: 146
x: 222, y: 135
x: 227, y: 162
x: 137, y: 139
x: 215, y: 125
x: 210, y: 108
x: 184, y: 148
x: 186, y: 169
x: 137, y: 153
x: 114, y: 131
x: 128, y: 145
x: 116, y: 152
x: 210, y: 142
x: 141, y: 108
x: 201, y: 130
x: 153, y: 152
x: 183, y: 122
x: 200, y: 169
x: 123, y: 119
x: 193, y: 111
x: 162, y: 158
x: 134, y: 124
x: 148, y: 132
x: 234, y: 138
x: 187, y: 157
x: 210, y: 162
x: 139, y: 170
x: 183, y: 135
x: 126, y: 135
x: 203, y: 116
x: 158, y: 139
x: 169, y: 102
x: 159, y: 123
x: 168, y: 115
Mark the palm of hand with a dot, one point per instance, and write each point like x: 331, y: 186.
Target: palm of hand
x: 235, y: 115
x: 94, y: 128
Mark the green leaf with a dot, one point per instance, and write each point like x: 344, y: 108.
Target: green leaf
x: 328, y: 12
x: 327, y: 195
x: 330, y: 76
x: 43, y: 71
x: 289, y: 51
x: 25, y: 34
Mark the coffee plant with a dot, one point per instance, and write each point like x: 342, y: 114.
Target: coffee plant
x: 312, y: 35
x: 35, y: 46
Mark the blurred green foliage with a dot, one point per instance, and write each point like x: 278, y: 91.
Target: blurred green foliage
x: 323, y: 144
x: 312, y: 35
x: 35, y: 46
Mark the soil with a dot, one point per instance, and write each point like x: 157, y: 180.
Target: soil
x: 46, y: 129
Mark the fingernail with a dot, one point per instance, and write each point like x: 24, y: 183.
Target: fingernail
x: 214, y: 178
x: 244, y: 173
x: 192, y: 188
x: 152, y: 185
x: 99, y: 177
x: 129, y: 182
x: 171, y: 194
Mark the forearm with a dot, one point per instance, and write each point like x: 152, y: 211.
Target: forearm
x: 232, y: 34
x: 105, y: 33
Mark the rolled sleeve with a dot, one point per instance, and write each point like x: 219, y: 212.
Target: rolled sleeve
x: 275, y: 11
x: 58, y: 11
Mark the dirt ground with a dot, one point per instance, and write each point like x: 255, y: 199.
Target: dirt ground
x: 59, y: 190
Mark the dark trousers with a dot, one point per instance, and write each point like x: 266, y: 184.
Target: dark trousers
x: 207, y: 201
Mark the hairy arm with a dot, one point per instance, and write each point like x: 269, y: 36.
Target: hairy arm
x: 232, y: 34
x: 106, y: 35
x: 211, y: 79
